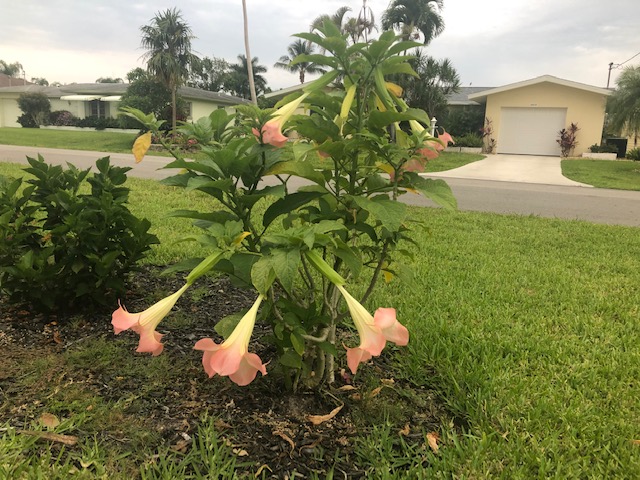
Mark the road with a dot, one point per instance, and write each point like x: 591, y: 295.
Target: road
x: 615, y: 207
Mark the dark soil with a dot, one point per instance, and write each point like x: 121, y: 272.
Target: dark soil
x: 267, y: 427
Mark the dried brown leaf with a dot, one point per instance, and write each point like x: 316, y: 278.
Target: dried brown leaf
x: 635, y: 442
x: 346, y: 388
x: 387, y: 382
x: 286, y: 438
x: 432, y: 440
x: 318, y: 419
x: 405, y: 431
x: 52, y: 437
x: 49, y: 420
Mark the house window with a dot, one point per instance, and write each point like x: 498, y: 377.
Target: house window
x: 98, y: 109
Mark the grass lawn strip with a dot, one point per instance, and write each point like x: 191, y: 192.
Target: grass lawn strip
x: 526, y: 327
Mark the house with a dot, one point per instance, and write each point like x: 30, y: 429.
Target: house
x: 527, y: 116
x: 103, y: 99
x: 8, y: 81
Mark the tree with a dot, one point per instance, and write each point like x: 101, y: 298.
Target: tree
x: 624, y: 104
x: 11, y: 69
x: 36, y: 108
x: 249, y: 65
x: 299, y: 47
x: 147, y: 93
x: 168, y: 43
x: 414, y: 19
x: 436, y: 80
x: 338, y: 19
x: 209, y: 74
x: 109, y: 80
x: 238, y: 82
x: 40, y: 81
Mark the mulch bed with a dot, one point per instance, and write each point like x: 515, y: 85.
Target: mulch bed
x: 266, y: 426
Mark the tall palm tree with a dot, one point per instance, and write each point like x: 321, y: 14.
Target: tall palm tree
x: 624, y: 104
x: 338, y: 18
x: 415, y: 19
x: 168, y: 43
x: 238, y: 81
x: 249, y: 65
x: 299, y: 47
x: 10, y: 69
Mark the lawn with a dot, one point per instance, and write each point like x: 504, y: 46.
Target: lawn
x: 98, y: 141
x: 524, y: 333
x: 617, y: 174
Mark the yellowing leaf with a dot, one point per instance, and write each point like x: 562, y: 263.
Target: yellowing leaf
x: 239, y: 238
x: 388, y: 276
x: 318, y: 419
x: 395, y: 89
x: 141, y: 146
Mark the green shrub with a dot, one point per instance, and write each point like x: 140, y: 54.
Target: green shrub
x: 60, y: 249
x: 35, y: 105
x: 469, y: 140
x: 62, y: 118
x: 595, y: 148
x: 27, y: 121
x: 634, y: 154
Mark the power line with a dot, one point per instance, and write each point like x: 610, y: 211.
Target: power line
x: 620, y: 64
x: 617, y: 65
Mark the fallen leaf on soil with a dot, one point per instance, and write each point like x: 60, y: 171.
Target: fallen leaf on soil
x: 318, y: 419
x: 375, y: 392
x: 262, y: 467
x: 346, y: 388
x: 405, y: 431
x: 286, y: 438
x: 635, y: 442
x: 432, y: 439
x: 57, y: 338
x: 52, y: 437
x: 387, y: 382
x: 240, y: 452
x: 49, y: 420
x: 181, y: 446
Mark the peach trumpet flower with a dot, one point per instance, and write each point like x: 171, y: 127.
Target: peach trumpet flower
x: 232, y: 357
x: 374, y: 331
x: 145, y: 323
x: 272, y: 130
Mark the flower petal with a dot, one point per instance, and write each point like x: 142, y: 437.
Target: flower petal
x: 248, y: 369
x: 356, y: 356
x: 123, y: 320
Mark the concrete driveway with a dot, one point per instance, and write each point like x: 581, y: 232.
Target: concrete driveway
x: 513, y: 168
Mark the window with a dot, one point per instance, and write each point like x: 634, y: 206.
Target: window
x: 99, y: 109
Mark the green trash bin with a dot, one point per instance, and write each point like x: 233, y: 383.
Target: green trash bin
x: 620, y: 144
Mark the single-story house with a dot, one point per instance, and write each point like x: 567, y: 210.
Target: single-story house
x: 102, y: 100
x: 527, y: 116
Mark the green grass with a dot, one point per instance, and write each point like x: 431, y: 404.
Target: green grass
x: 99, y: 141
x: 450, y: 160
x: 528, y: 329
x: 617, y: 174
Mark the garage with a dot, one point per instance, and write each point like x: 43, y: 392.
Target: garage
x: 530, y: 131
x: 525, y: 117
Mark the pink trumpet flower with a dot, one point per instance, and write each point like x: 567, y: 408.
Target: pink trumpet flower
x: 232, y: 357
x: 272, y: 130
x: 374, y: 331
x: 145, y: 323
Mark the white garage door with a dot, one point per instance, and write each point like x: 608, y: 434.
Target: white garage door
x: 530, y: 131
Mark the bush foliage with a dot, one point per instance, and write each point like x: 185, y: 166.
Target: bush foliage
x: 61, y: 249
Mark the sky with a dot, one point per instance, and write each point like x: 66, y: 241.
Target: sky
x: 490, y: 43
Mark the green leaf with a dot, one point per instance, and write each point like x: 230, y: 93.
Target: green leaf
x: 297, y: 168
x: 291, y: 359
x: 378, y: 119
x: 436, y: 190
x: 227, y: 325
x: 349, y: 256
x: 263, y: 275
x: 285, y: 263
x: 288, y: 204
x: 389, y: 213
x: 298, y: 342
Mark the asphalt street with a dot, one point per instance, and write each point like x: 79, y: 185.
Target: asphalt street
x: 615, y: 207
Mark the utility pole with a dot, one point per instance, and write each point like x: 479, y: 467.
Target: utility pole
x: 609, y: 76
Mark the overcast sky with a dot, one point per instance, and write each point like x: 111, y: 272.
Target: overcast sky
x: 490, y: 42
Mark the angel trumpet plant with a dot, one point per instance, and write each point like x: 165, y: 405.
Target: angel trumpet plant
x: 232, y: 357
x: 374, y: 331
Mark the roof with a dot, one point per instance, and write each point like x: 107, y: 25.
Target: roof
x: 482, y: 96
x: 116, y: 89
x: 7, y: 81
x: 461, y: 97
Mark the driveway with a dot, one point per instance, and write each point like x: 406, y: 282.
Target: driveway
x: 513, y: 168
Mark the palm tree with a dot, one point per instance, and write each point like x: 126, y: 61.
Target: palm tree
x: 299, y: 47
x: 10, y: 69
x: 239, y: 83
x: 624, y: 104
x: 415, y: 19
x: 338, y: 18
x: 250, y: 72
x: 168, y: 43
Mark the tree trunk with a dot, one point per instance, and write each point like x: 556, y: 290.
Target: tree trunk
x: 252, y: 86
x: 174, y: 107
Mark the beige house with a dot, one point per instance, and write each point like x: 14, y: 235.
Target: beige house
x: 103, y: 99
x: 527, y: 116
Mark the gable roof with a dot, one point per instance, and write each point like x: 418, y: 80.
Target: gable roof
x: 117, y: 89
x: 482, y: 96
x: 461, y: 97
